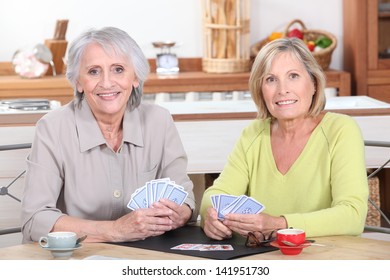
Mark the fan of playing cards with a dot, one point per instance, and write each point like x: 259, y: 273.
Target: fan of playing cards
x: 154, y: 190
x: 225, y: 204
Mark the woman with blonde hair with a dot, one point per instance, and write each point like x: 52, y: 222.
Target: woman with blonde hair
x: 305, y: 165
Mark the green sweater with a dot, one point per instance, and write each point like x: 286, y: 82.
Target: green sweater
x: 324, y: 192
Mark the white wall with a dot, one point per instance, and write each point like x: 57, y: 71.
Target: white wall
x: 24, y: 23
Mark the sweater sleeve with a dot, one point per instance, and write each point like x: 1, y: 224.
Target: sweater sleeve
x: 234, y: 178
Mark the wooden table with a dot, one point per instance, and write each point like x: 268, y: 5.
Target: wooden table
x: 338, y: 248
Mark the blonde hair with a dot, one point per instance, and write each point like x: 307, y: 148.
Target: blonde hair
x: 263, y: 63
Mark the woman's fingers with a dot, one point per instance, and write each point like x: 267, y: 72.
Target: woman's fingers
x: 214, y: 228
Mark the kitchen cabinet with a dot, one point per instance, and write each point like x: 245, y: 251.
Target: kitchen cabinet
x: 367, y: 57
x: 367, y: 47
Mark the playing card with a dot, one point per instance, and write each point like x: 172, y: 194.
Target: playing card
x: 203, y: 247
x: 132, y: 205
x: 140, y: 198
x: 187, y: 246
x: 224, y: 201
x: 177, y: 195
x: 154, y: 190
x: 239, y: 200
x: 167, y: 190
x: 216, y: 247
x: 159, y: 189
x: 214, y: 201
x: 149, y: 193
x: 153, y: 186
x: 249, y: 206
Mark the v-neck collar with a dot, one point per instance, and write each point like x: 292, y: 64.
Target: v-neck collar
x: 301, y: 155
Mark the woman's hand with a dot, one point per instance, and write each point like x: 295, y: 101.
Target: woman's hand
x: 213, y: 227
x: 142, y: 223
x: 244, y: 223
x: 179, y: 214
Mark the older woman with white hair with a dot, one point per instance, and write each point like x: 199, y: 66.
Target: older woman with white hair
x: 90, y: 155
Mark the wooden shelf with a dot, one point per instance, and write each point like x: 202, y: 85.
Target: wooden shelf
x: 200, y: 81
x: 190, y: 79
x: 196, y: 81
x: 53, y: 88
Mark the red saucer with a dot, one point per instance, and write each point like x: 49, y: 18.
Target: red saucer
x: 290, y: 250
x: 275, y: 244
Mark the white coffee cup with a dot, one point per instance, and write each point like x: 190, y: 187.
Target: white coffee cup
x: 59, y: 239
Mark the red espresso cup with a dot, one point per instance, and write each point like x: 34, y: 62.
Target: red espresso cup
x: 290, y: 240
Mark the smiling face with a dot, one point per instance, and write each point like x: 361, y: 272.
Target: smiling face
x: 107, y: 81
x: 287, y: 88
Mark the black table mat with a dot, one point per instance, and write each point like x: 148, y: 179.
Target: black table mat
x: 195, y: 234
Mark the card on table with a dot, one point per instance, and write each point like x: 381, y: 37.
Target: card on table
x: 203, y: 247
x: 186, y: 246
x: 216, y: 247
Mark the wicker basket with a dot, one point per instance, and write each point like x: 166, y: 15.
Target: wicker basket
x: 226, y: 36
x: 323, y: 57
x: 256, y: 47
x: 373, y: 216
x: 215, y: 65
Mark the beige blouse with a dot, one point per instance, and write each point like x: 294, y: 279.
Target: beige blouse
x: 71, y: 169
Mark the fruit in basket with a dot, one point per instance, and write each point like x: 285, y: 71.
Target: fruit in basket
x: 318, y: 44
x: 275, y: 35
x: 311, y: 45
x: 295, y: 33
x: 323, y: 42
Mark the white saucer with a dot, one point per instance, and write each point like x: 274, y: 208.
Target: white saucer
x: 62, y: 252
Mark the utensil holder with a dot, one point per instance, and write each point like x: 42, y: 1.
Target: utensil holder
x: 58, y: 49
x: 226, y: 36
